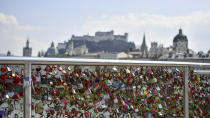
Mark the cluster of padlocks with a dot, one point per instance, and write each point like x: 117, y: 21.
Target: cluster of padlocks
x: 103, y: 91
x: 11, y: 91
x: 199, y: 95
x: 113, y: 91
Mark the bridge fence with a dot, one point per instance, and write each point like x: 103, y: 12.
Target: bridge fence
x: 64, y: 87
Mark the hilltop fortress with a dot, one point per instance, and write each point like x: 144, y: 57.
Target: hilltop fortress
x: 101, y: 36
x: 101, y: 42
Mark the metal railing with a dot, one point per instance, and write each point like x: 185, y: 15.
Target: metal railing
x: 29, y: 61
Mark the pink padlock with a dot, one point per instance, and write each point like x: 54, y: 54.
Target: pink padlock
x: 110, y: 110
x: 133, y: 94
x: 149, y: 71
x: 155, y: 100
x: 66, y: 101
x: 155, y: 91
x: 63, y: 111
x: 60, y: 69
x: 55, y: 92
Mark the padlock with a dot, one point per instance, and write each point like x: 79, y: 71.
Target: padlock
x: 39, y: 108
x: 59, y: 68
x: 114, y: 69
x: 17, y: 80
x: 153, y: 80
x: 4, y: 76
x: 16, y: 96
x: 127, y: 71
x: 16, y: 116
x: 38, y: 68
x: 3, y: 69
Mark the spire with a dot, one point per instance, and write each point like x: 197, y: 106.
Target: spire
x: 52, y: 44
x: 39, y: 54
x: 180, y: 31
x: 144, y: 45
x: 144, y: 42
x: 27, y: 43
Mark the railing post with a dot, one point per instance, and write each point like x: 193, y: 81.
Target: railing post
x: 186, y: 96
x: 27, y: 91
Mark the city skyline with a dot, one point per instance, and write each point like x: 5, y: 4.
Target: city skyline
x: 45, y: 21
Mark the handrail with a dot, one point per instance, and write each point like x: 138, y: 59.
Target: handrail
x: 202, y: 71
x: 74, y: 61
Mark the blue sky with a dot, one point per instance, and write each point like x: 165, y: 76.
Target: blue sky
x: 44, y: 21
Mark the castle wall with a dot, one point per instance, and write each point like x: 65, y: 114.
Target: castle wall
x: 100, y: 36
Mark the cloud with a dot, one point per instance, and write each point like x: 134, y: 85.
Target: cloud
x: 7, y: 19
x: 13, y: 35
x: 28, y: 28
x: 159, y: 28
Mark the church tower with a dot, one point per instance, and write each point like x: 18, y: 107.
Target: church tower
x: 143, y: 48
x: 27, y: 51
x: 8, y: 53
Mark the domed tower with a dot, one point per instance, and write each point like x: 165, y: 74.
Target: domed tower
x: 180, y: 43
x: 52, y: 51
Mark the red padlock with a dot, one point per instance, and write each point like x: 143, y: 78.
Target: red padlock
x: 4, y: 76
x: 17, y: 81
x: 38, y: 68
x: 86, y: 114
x: 3, y: 69
x: 16, y: 96
x: 33, y: 79
x: 52, y: 112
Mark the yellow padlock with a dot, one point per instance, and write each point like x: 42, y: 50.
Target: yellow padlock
x: 39, y: 108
